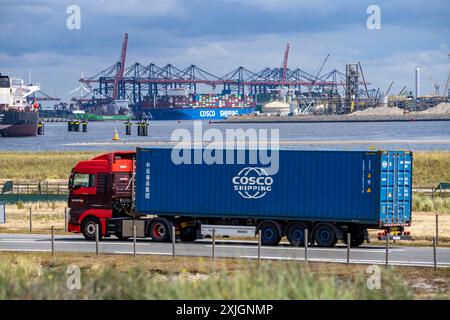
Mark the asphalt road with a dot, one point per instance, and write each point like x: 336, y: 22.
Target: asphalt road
x: 367, y: 254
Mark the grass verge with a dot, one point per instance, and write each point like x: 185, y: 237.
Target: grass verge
x: 41, y: 276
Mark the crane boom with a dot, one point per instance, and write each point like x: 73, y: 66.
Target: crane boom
x: 120, y: 71
x: 285, y: 62
x: 321, y: 68
x: 446, y: 86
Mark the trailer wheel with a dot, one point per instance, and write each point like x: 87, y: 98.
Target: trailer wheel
x: 159, y: 230
x: 357, y: 237
x: 325, y: 235
x: 89, y: 228
x: 296, y: 234
x: 270, y: 234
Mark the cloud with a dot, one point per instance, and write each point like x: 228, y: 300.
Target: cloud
x: 318, y: 6
x: 221, y: 35
x: 131, y: 8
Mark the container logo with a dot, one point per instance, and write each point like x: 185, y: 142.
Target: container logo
x: 384, y: 164
x: 252, y: 183
x: 207, y: 114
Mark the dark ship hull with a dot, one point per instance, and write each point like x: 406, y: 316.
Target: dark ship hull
x: 18, y: 124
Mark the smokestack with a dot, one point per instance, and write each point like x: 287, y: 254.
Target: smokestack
x: 417, y: 83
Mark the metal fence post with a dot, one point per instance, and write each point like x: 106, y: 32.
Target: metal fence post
x: 387, y: 251
x: 134, y: 239
x: 53, y: 240
x: 306, y: 244
x: 349, y: 238
x: 65, y: 219
x: 97, y: 236
x: 434, y: 253
x: 214, y: 244
x: 259, y: 245
x: 173, y: 242
x: 31, y: 221
x: 437, y: 228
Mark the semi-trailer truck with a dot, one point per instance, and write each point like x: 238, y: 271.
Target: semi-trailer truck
x: 329, y: 193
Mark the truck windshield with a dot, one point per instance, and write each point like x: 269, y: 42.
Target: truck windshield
x: 82, y: 180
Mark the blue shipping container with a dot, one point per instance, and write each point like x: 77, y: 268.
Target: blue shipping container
x: 365, y: 187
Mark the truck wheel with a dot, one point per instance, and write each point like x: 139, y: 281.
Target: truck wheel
x: 356, y: 237
x: 270, y: 234
x: 188, y: 234
x: 325, y: 236
x: 159, y: 230
x: 296, y: 234
x: 89, y: 228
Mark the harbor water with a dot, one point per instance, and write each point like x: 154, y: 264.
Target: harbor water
x: 414, y: 135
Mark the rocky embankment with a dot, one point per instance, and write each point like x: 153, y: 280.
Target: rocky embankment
x: 440, y: 112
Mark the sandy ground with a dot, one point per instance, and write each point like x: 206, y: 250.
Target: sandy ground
x: 44, y: 216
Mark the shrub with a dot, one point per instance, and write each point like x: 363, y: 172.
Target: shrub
x: 20, y: 205
x: 28, y: 279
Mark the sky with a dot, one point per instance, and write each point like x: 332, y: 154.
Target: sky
x: 220, y: 35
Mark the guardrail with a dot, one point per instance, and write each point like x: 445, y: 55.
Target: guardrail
x: 15, y: 191
x: 431, y: 191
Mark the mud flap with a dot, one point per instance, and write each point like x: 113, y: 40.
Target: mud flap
x: 366, y: 235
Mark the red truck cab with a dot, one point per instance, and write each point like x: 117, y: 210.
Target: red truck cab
x: 100, y: 189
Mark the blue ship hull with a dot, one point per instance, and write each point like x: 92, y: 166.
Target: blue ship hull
x: 195, y: 113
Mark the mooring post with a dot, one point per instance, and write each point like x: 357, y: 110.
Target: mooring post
x: 259, y: 245
x: 306, y: 244
x: 349, y: 238
x: 173, y: 242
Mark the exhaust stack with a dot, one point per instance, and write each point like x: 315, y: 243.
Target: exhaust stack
x: 417, y: 83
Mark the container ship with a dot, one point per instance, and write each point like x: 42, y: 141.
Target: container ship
x: 180, y: 106
x: 18, y: 118
x: 103, y: 110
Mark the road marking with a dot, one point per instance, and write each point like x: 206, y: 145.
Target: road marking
x: 46, y: 241
x: 26, y: 250
x: 145, y: 253
x: 301, y: 249
x: 337, y: 260
x: 355, y: 261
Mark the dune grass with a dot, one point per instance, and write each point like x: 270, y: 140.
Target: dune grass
x: 34, y: 277
x: 426, y: 203
x: 431, y: 168
x: 40, y: 165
